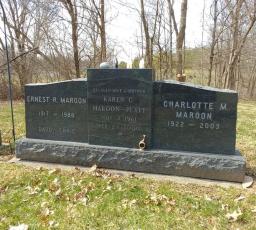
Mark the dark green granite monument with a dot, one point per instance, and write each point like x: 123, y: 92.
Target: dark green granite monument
x: 120, y: 103
x: 123, y: 119
x: 57, y: 111
x: 194, y: 118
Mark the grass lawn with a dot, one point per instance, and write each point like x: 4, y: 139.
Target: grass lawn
x: 45, y: 199
x: 5, y: 120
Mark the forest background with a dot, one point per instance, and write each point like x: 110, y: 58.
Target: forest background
x: 53, y: 40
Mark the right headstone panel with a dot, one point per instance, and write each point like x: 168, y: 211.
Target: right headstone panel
x: 193, y: 118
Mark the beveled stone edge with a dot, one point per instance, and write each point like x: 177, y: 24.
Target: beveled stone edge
x: 84, y: 79
x: 221, y: 167
x: 235, y: 156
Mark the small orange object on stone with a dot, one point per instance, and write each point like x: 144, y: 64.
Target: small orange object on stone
x: 181, y: 78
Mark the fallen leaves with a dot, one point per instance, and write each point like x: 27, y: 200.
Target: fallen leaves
x: 44, y: 204
x: 40, y: 168
x: 53, y: 224
x: 3, y: 189
x: 80, y: 194
x: 46, y: 212
x: 158, y: 199
x: 84, y: 201
x: 248, y: 181
x: 253, y: 210
x: 58, y: 192
x: 32, y: 191
x: 92, y: 169
x: 95, y: 171
x: 19, y: 227
x: 54, y: 171
x: 232, y: 217
x: 241, y: 197
x: 207, y: 198
x: 55, y: 187
x: 224, y: 206
x: 56, y: 182
x: 128, y: 203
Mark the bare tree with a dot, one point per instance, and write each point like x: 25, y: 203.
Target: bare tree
x: 71, y: 7
x: 213, y: 40
x: 25, y: 20
x: 237, y: 42
x: 100, y: 22
x: 103, y: 31
x: 180, y: 34
x: 149, y: 32
x: 170, y: 9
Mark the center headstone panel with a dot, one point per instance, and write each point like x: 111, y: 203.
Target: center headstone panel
x: 119, y: 106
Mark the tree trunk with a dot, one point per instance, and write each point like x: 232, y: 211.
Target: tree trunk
x: 253, y: 84
x: 180, y: 34
x: 148, y: 62
x: 179, y: 46
x: 230, y: 82
x: 171, y: 31
x: 251, y: 81
x: 71, y: 8
x: 181, y: 37
x: 213, y: 42
x: 75, y: 44
x: 103, y: 31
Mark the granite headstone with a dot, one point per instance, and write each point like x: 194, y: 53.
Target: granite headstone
x: 119, y: 106
x: 193, y: 118
x: 189, y: 130
x: 57, y: 111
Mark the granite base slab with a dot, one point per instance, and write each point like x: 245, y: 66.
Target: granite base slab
x: 190, y: 164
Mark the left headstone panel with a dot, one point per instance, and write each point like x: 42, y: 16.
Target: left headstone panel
x: 57, y: 111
